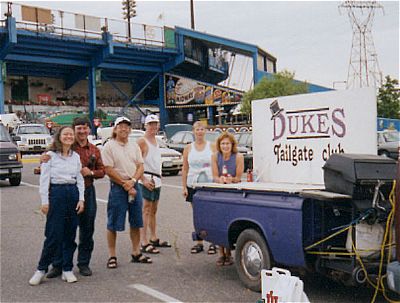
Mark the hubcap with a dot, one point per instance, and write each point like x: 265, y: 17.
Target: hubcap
x: 252, y: 260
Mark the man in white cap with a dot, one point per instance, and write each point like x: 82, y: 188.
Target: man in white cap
x: 123, y: 164
x: 151, y: 185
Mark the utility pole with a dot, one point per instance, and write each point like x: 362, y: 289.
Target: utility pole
x: 363, y: 68
x: 129, y: 11
x: 192, y: 14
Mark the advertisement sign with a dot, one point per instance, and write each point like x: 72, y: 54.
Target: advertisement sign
x: 43, y: 98
x: 184, y: 92
x: 293, y: 136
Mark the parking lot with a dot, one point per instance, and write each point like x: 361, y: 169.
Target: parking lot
x: 175, y: 275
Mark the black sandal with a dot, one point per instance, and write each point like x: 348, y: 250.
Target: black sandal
x: 150, y: 249
x: 221, y: 261
x: 197, y: 249
x: 112, y: 262
x: 140, y: 258
x: 212, y: 250
x: 157, y: 243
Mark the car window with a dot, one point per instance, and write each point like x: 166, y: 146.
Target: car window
x: 391, y: 136
x: 34, y: 129
x: 178, y: 137
x: 4, y: 135
x: 211, y: 136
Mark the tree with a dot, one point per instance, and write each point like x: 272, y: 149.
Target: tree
x: 279, y: 84
x: 389, y: 99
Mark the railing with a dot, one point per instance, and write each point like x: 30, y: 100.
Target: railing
x: 63, y: 23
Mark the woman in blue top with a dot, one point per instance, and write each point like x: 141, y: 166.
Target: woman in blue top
x: 62, y: 194
x: 227, y: 167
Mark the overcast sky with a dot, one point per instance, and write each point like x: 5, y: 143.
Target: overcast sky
x: 312, y: 39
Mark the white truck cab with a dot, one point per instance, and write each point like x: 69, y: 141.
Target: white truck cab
x: 34, y: 138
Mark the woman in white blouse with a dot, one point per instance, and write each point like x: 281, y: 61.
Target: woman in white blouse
x: 62, y: 195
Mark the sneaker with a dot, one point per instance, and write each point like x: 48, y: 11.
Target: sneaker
x: 85, y: 270
x: 54, y: 273
x: 37, y: 277
x: 69, y: 276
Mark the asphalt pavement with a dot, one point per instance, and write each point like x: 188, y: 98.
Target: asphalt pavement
x: 175, y: 275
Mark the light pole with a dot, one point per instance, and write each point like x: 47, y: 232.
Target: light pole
x: 129, y: 11
x: 192, y: 14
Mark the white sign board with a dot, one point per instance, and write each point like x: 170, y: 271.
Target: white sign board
x: 293, y: 136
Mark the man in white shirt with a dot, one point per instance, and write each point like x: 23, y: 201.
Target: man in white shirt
x: 151, y: 185
x: 123, y: 164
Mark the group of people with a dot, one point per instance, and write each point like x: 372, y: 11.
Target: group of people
x: 68, y: 196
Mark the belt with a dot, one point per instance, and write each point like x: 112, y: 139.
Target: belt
x: 62, y: 184
x: 152, y: 174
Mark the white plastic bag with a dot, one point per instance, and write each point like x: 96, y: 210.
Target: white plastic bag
x: 279, y: 286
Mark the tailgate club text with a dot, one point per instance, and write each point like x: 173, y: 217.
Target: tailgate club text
x: 306, y: 124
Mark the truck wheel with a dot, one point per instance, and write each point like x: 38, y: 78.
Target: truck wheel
x: 15, y: 181
x: 251, y: 257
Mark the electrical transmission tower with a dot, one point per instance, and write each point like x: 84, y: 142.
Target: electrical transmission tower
x: 363, y: 69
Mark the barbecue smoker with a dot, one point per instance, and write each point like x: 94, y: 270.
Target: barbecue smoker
x: 349, y: 229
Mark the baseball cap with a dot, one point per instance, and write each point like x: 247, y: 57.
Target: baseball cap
x: 122, y: 119
x: 151, y: 118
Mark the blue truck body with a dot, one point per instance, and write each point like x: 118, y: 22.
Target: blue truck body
x: 219, y: 211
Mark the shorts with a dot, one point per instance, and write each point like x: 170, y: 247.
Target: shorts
x: 118, y: 206
x: 191, y: 192
x: 151, y: 196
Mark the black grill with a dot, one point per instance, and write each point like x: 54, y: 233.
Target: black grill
x: 36, y: 141
x: 357, y: 175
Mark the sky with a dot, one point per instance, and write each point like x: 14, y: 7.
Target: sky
x: 312, y: 39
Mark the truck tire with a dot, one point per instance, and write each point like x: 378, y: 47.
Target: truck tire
x: 15, y: 181
x: 251, y: 256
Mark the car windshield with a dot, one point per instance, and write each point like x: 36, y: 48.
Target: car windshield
x: 392, y: 136
x: 29, y: 130
x: 211, y: 136
x: 4, y: 135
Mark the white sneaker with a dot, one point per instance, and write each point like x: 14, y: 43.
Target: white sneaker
x: 69, y: 276
x: 37, y: 277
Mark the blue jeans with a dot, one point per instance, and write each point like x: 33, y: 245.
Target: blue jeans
x: 61, y: 225
x: 86, y: 224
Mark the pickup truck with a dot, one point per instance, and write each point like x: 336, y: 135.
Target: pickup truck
x: 289, y: 224
x: 10, y: 159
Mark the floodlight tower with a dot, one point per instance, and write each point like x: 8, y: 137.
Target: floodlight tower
x: 364, y: 68
x: 129, y: 11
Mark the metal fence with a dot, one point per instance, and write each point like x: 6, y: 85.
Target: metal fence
x: 63, y: 23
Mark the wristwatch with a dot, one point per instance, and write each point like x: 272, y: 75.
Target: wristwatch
x: 134, y: 181
x: 92, y: 173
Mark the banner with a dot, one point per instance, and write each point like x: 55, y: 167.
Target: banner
x: 184, y: 92
x: 293, y: 136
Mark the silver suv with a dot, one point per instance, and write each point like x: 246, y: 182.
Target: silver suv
x: 33, y: 138
x: 389, y: 143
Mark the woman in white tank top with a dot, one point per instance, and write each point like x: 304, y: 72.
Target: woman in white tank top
x: 197, y: 168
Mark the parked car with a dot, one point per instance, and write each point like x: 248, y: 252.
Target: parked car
x: 10, y: 158
x: 245, y: 146
x: 389, y: 144
x: 32, y: 138
x: 182, y: 138
x: 171, y: 160
x: 172, y: 129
